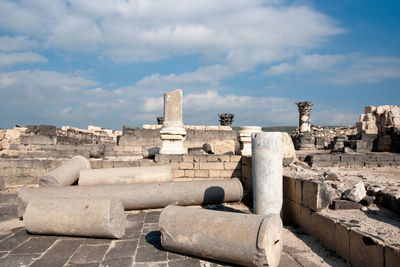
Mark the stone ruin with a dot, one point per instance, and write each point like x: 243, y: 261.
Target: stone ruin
x: 95, y: 175
x: 377, y: 130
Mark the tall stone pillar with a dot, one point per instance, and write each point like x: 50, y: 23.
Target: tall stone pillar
x: 267, y: 172
x: 172, y: 131
x: 304, y: 116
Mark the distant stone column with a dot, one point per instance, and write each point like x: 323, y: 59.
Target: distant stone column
x: 160, y: 120
x: 226, y: 119
x: 172, y: 131
x: 304, y: 116
x: 245, y: 138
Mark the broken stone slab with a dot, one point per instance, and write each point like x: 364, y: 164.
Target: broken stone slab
x: 76, y: 217
x: 66, y: 174
x: 128, y: 175
x: 144, y: 195
x: 238, y: 238
x: 341, y: 204
x: 267, y: 172
x: 357, y: 193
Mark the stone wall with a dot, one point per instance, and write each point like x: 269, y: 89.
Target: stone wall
x: 184, y: 167
x: 353, y: 160
x: 302, y: 206
x: 384, y: 123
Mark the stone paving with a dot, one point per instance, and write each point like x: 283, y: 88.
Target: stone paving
x: 141, y: 245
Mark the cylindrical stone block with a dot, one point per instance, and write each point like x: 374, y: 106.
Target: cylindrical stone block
x: 267, y: 172
x: 245, y: 239
x: 129, y: 175
x: 142, y: 196
x: 66, y: 174
x: 76, y: 217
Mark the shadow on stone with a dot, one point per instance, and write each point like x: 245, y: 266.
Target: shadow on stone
x: 154, y: 239
x: 213, y: 195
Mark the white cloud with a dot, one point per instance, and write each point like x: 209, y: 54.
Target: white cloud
x: 246, y: 32
x: 348, y: 69
x: 12, y: 59
x: 16, y: 43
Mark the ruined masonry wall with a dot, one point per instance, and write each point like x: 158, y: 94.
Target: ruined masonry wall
x: 184, y: 167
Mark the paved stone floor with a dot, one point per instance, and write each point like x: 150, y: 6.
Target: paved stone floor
x: 140, y: 246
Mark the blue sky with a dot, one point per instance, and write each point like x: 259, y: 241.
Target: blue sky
x: 108, y: 62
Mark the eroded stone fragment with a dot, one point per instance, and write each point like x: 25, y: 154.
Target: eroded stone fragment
x: 357, y: 193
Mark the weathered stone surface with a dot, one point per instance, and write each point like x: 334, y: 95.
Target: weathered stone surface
x: 76, y: 217
x: 66, y: 174
x: 126, y: 175
x: 144, y: 195
x: 251, y: 240
x: 267, y: 172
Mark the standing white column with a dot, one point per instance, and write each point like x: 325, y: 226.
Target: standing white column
x: 245, y: 138
x: 172, y: 131
x: 267, y: 172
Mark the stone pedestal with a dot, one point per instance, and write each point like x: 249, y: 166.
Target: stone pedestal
x: 243, y: 239
x: 245, y: 138
x: 267, y: 172
x: 172, y: 131
x: 304, y: 116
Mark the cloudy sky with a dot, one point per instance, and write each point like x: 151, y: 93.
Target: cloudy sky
x: 108, y: 62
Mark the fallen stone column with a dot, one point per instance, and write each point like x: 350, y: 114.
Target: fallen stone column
x: 66, y: 174
x: 76, y: 217
x: 129, y: 175
x: 142, y: 196
x: 267, y: 172
x: 245, y: 239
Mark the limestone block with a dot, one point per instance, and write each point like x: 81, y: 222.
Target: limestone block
x: 304, y: 219
x: 365, y: 250
x: 357, y: 193
x: 245, y: 239
x: 223, y: 147
x: 323, y: 228
x: 342, y: 241
x: 129, y: 175
x: 316, y: 196
x: 392, y: 256
x: 76, y: 217
x: 143, y: 195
